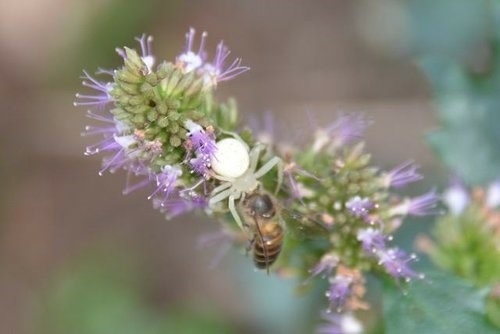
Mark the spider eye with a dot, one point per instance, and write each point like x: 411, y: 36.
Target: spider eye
x: 231, y: 159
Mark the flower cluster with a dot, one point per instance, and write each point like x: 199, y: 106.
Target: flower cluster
x: 160, y: 122
x: 469, y: 233
x: 350, y: 209
x: 156, y: 120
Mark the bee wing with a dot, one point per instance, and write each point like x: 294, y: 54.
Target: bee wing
x: 305, y: 225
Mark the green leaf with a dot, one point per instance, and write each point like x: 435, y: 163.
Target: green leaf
x: 468, y: 105
x: 441, y: 304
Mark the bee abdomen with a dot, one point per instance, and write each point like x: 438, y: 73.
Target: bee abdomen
x: 266, y: 251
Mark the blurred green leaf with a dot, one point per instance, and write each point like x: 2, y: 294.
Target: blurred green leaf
x: 441, y: 304
x: 468, y: 105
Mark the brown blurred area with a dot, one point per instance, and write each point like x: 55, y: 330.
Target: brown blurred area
x: 305, y: 56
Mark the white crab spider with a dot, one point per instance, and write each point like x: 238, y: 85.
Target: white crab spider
x: 234, y: 164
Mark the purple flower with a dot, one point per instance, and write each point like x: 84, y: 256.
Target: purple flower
x: 216, y: 71
x: 396, y: 262
x: 372, y: 240
x: 213, y: 72
x: 339, y: 324
x: 345, y: 130
x: 201, y: 164
x: 114, y: 142
x: 179, y: 204
x: 204, y: 146
x: 325, y: 266
x: 420, y: 206
x: 166, y: 181
x: 146, y: 43
x: 359, y: 207
x: 101, y: 96
x: 190, y: 60
x: 339, y: 291
x: 202, y: 141
x: 402, y: 175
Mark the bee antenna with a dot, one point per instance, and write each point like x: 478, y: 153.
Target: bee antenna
x: 264, y: 248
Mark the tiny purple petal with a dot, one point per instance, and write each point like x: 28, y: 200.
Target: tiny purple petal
x: 201, y: 164
x: 217, y: 72
x: 101, y: 95
x: 420, y: 206
x: 359, y: 207
x: 402, y: 175
x: 189, y: 60
x: 347, y: 128
x: 325, y: 266
x: 166, y: 181
x: 339, y: 291
x: 396, y: 262
x: 179, y: 204
x: 372, y: 240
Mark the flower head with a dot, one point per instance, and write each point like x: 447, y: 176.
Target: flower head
x: 402, y: 175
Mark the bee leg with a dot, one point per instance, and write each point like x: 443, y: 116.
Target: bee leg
x: 250, y: 245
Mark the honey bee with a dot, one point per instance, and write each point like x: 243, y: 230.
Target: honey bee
x: 262, y: 218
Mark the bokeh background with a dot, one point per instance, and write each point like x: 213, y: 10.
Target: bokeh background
x: 78, y: 257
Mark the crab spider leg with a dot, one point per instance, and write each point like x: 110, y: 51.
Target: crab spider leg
x: 219, y: 197
x: 220, y: 188
x: 236, y: 136
x: 234, y: 212
x: 275, y: 161
x: 254, y: 157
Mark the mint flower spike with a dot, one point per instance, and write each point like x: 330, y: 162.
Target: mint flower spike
x: 100, y: 98
x: 402, y: 175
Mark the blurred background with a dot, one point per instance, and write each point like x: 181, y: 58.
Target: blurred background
x: 78, y: 257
